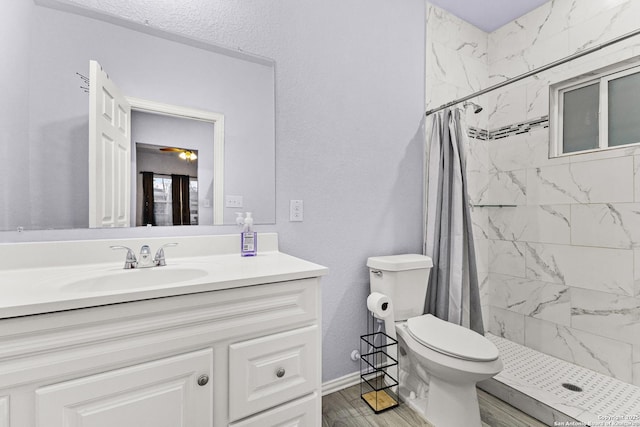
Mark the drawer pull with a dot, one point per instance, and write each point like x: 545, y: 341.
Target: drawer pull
x: 203, y: 380
x: 280, y: 372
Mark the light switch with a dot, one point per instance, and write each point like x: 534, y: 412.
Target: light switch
x: 296, y: 211
x: 232, y: 201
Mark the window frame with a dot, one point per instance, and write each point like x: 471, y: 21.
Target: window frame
x: 556, y: 108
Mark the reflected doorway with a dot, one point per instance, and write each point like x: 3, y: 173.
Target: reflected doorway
x: 194, y: 141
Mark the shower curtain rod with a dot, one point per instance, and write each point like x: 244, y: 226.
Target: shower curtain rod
x: 535, y: 71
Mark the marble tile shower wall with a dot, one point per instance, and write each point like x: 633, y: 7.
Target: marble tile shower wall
x: 564, y: 259
x: 558, y: 240
x: 456, y: 60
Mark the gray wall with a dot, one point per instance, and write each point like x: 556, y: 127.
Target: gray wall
x: 349, y: 130
x: 14, y: 114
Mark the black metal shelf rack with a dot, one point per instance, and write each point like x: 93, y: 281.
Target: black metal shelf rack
x: 378, y: 386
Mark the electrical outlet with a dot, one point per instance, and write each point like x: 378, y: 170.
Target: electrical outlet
x: 296, y: 211
x: 232, y: 201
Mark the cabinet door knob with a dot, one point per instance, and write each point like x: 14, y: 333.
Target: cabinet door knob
x: 280, y: 372
x: 203, y: 380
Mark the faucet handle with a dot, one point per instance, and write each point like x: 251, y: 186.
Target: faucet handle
x: 130, y: 261
x: 159, y: 259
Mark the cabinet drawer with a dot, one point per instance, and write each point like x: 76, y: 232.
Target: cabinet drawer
x: 305, y: 412
x: 270, y: 370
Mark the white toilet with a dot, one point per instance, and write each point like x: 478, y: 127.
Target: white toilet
x: 449, y: 357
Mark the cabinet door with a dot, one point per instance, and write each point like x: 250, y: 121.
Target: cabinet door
x: 162, y: 393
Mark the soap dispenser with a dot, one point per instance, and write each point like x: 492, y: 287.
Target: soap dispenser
x: 240, y: 219
x: 248, y: 238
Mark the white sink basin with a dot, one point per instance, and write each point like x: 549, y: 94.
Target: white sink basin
x: 135, y: 278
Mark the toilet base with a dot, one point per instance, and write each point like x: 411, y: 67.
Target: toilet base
x: 451, y: 400
x: 452, y: 405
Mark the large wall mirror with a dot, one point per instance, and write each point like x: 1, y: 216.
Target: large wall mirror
x: 45, y: 154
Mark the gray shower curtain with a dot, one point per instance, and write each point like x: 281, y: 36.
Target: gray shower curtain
x: 453, y: 292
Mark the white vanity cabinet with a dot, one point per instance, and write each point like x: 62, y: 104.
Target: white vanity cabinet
x: 247, y: 356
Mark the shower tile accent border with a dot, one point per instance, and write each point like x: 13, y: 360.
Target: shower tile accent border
x: 507, y: 131
x: 477, y: 133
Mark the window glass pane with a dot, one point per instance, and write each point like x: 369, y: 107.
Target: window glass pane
x: 624, y: 110
x: 162, y: 200
x: 193, y: 200
x: 580, y: 119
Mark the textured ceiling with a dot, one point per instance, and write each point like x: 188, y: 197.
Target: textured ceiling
x: 488, y: 15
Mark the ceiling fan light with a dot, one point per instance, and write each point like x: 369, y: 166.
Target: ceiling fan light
x: 183, y: 155
x: 194, y: 156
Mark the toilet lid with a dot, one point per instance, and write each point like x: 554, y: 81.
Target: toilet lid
x: 451, y: 339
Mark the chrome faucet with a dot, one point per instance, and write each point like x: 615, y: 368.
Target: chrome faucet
x: 159, y: 259
x: 145, y: 257
x: 130, y: 261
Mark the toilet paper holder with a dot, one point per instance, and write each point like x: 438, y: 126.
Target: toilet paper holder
x: 378, y: 369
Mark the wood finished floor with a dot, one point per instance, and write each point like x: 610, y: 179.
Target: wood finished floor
x: 345, y: 408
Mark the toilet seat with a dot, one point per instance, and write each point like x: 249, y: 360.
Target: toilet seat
x: 451, y: 339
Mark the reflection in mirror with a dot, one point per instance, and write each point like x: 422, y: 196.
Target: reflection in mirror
x: 46, y: 108
x: 167, y: 185
x: 165, y: 146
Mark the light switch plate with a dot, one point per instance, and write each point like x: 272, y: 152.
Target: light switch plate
x: 232, y: 201
x: 296, y: 211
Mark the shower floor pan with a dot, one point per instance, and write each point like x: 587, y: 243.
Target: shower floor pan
x: 533, y: 382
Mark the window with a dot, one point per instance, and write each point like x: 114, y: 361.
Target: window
x: 162, y: 208
x: 597, y: 112
x: 163, y: 200
x: 193, y: 200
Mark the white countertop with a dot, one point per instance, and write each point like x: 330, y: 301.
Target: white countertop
x: 29, y: 290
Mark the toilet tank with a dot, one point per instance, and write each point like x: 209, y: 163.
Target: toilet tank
x: 404, y: 279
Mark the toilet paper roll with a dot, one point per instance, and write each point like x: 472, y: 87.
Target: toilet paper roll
x: 379, y: 304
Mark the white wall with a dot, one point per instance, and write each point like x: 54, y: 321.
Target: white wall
x: 349, y: 129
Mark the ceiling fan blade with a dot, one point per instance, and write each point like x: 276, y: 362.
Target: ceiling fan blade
x: 171, y: 149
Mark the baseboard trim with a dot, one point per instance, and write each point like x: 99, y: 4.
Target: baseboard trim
x: 340, y: 383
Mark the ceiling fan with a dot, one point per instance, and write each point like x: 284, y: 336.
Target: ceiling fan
x: 187, y: 155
